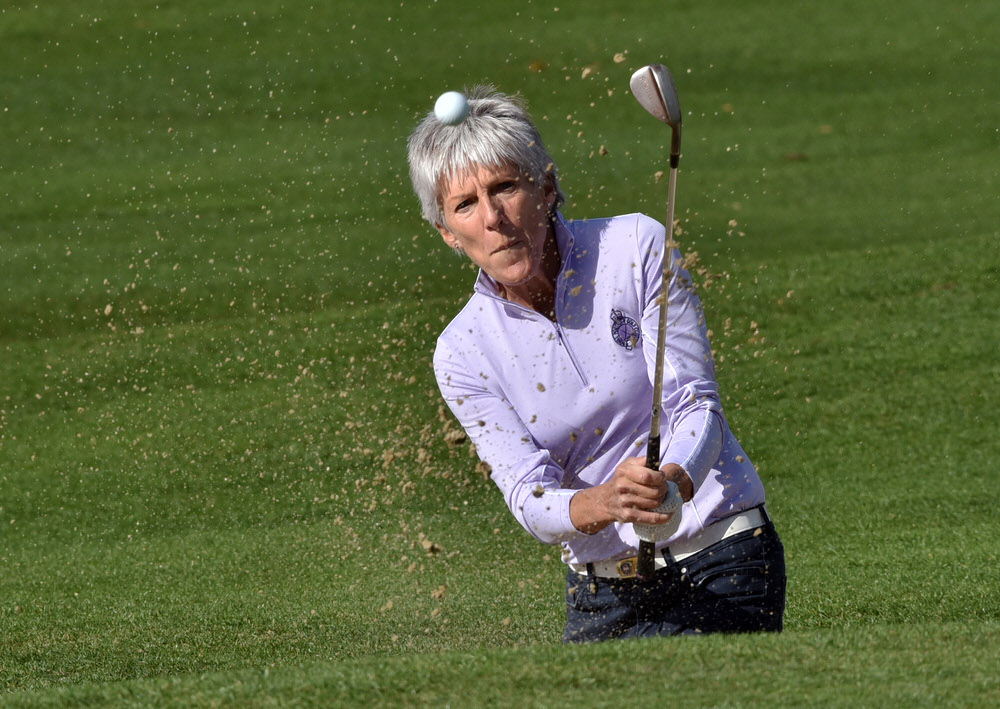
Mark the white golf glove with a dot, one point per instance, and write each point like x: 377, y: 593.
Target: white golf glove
x: 671, y: 504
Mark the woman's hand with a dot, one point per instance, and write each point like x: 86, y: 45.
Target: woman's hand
x: 629, y: 496
x: 677, y: 475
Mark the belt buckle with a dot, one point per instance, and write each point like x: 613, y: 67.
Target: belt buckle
x: 626, y: 567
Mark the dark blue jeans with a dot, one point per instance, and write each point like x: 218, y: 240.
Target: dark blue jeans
x: 734, y: 586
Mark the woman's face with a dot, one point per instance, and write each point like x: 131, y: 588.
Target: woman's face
x: 499, y: 218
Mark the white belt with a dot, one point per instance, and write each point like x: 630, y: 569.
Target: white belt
x: 712, y: 534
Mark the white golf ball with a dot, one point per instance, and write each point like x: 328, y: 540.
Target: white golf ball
x: 451, y: 108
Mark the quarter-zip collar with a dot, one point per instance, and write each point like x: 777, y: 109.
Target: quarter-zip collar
x: 487, y: 286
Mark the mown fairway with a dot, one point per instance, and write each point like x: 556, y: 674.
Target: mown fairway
x: 225, y: 477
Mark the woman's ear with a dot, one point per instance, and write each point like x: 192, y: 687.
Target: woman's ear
x: 448, y: 237
x: 550, y: 193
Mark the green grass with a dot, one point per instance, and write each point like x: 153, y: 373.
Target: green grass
x: 859, y: 668
x: 224, y: 478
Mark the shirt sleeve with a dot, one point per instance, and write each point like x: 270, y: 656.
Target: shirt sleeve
x: 530, y: 481
x: 692, y: 419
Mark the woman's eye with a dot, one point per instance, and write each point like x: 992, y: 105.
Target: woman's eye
x: 505, y: 188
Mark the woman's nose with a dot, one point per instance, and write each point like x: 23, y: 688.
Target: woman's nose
x: 492, y: 213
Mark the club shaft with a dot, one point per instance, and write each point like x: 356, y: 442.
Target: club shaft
x: 645, y: 564
x: 653, y: 442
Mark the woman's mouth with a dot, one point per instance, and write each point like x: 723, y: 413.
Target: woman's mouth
x: 508, y: 245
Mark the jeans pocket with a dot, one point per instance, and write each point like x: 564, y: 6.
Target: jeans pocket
x: 586, y: 595
x: 735, y: 583
x: 597, y: 609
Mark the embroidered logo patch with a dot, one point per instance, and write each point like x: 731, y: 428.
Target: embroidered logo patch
x: 624, y: 330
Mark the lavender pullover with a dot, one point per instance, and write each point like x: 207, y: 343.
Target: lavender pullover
x: 554, y: 406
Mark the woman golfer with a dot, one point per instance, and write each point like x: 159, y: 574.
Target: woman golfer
x: 549, y: 369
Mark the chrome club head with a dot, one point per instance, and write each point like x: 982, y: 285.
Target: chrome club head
x: 654, y: 89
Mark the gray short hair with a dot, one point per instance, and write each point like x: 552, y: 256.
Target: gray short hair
x: 497, y: 132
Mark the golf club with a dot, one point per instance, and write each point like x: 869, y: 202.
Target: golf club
x: 654, y: 89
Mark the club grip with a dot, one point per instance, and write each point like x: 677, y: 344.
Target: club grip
x: 653, y: 452
x: 645, y: 564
